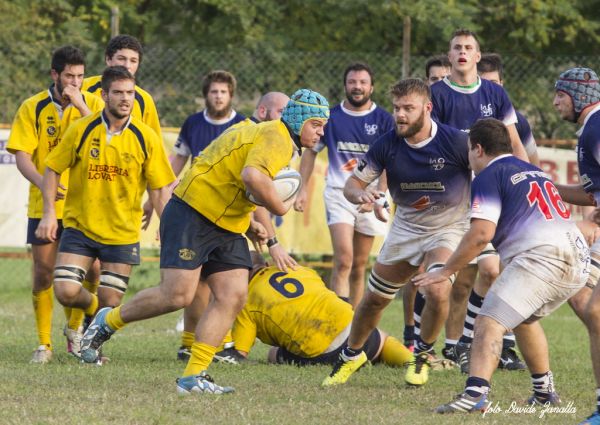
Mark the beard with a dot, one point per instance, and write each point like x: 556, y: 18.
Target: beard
x: 218, y: 114
x: 117, y: 113
x: 357, y: 103
x: 413, y: 128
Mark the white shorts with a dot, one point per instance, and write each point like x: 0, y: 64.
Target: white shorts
x: 340, y: 210
x: 402, y: 244
x: 534, y: 284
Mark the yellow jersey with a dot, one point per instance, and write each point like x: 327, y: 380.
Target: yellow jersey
x: 108, y: 176
x: 143, y: 106
x: 213, y: 185
x: 292, y: 310
x: 37, y: 129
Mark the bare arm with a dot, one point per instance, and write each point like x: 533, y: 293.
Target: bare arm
x: 307, y: 165
x: 515, y: 141
x: 48, y: 224
x: 472, y: 243
x: 178, y: 163
x: 574, y: 194
x: 277, y: 252
x: 26, y: 167
x: 159, y: 198
x: 262, y: 188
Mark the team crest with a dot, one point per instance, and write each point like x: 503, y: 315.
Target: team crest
x: 51, y: 130
x: 486, y: 110
x: 94, y: 153
x: 370, y: 129
x: 437, y: 164
x: 126, y: 156
x: 186, y: 254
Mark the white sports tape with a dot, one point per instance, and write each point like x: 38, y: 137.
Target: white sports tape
x: 383, y: 287
x: 69, y: 273
x: 114, y: 281
x: 434, y: 266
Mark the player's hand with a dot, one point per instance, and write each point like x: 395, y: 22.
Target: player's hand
x: 47, y: 229
x: 431, y: 278
x: 258, y: 235
x: 301, y: 200
x: 365, y: 208
x: 382, y: 212
x: 60, y: 195
x: 589, y: 229
x: 281, y: 258
x: 73, y: 95
x: 147, y: 210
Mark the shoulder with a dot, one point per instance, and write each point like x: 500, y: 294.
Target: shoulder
x: 92, y: 84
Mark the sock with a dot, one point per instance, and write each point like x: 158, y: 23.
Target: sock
x: 449, y: 344
x: 394, y: 353
x: 598, y: 400
x: 227, y: 342
x: 202, y: 355
x: 43, y: 303
x: 508, y: 341
x: 409, y: 334
x: 419, y: 306
x: 475, y: 303
x: 422, y: 347
x: 76, y: 319
x: 476, y: 386
x: 187, y: 339
x: 114, y: 320
x: 67, y: 311
x: 91, y: 309
x: 76, y: 314
x: 543, y: 384
x: 92, y: 287
x: 350, y: 353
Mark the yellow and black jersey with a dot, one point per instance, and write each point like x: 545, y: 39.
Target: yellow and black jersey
x: 108, y: 176
x: 37, y: 129
x: 292, y: 310
x: 213, y: 186
x: 143, y: 106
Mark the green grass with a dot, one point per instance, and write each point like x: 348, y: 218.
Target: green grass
x: 138, y: 385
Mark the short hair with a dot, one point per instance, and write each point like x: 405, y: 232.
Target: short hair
x: 115, y: 73
x: 466, y: 33
x: 123, y: 41
x: 358, y: 66
x: 441, y: 60
x: 491, y: 62
x: 219, y: 76
x: 66, y: 55
x: 492, y: 135
x: 411, y: 86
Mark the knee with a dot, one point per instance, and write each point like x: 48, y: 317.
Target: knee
x: 437, y: 296
x: 487, y: 275
x: 66, y: 293
x: 343, y: 260
x: 592, y: 316
x: 178, y: 298
x: 43, y: 275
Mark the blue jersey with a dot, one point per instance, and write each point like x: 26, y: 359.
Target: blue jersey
x: 429, y: 181
x: 524, y: 204
x: 588, y: 153
x: 348, y: 137
x: 460, y: 108
x: 199, y: 130
x: 525, y: 134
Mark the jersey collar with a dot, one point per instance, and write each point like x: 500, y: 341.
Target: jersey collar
x: 358, y: 113
x: 587, y: 117
x: 465, y: 90
x: 425, y: 142
x: 106, y: 122
x: 498, y: 158
x: 221, y: 121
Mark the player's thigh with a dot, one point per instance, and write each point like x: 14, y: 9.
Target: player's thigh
x: 179, y: 284
x: 229, y: 286
x: 44, y: 260
x: 362, y: 245
x: 342, y: 235
x: 69, y: 273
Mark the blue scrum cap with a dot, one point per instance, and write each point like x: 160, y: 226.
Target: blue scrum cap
x: 582, y: 85
x: 304, y: 104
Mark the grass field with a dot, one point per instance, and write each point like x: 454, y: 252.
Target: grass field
x: 138, y: 385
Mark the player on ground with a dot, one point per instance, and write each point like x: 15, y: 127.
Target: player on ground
x: 429, y: 178
x: 38, y: 128
x: 111, y: 157
x: 545, y: 258
x: 269, y: 107
x: 354, y: 126
x: 577, y: 100
x: 282, y: 309
x: 460, y: 100
x: 203, y: 224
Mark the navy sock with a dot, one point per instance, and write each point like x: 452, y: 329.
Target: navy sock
x: 422, y: 347
x: 475, y: 303
x: 476, y: 386
x: 409, y: 334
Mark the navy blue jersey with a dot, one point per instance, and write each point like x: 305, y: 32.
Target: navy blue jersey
x: 429, y: 181
x: 588, y: 153
x: 525, y: 134
x: 348, y: 137
x: 525, y: 205
x: 460, y: 108
x: 199, y: 130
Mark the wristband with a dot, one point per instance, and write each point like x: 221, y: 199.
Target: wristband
x: 272, y: 242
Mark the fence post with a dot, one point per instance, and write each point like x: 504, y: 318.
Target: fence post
x: 406, y: 47
x: 114, y: 21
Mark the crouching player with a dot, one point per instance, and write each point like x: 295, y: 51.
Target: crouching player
x: 545, y: 256
x: 305, y: 322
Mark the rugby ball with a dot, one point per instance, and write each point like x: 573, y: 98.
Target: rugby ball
x: 287, y: 184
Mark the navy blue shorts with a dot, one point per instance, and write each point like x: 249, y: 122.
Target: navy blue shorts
x: 371, y: 348
x: 74, y: 241
x: 32, y: 224
x: 189, y: 240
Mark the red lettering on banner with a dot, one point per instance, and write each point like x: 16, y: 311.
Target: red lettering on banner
x: 572, y: 172
x: 550, y: 168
